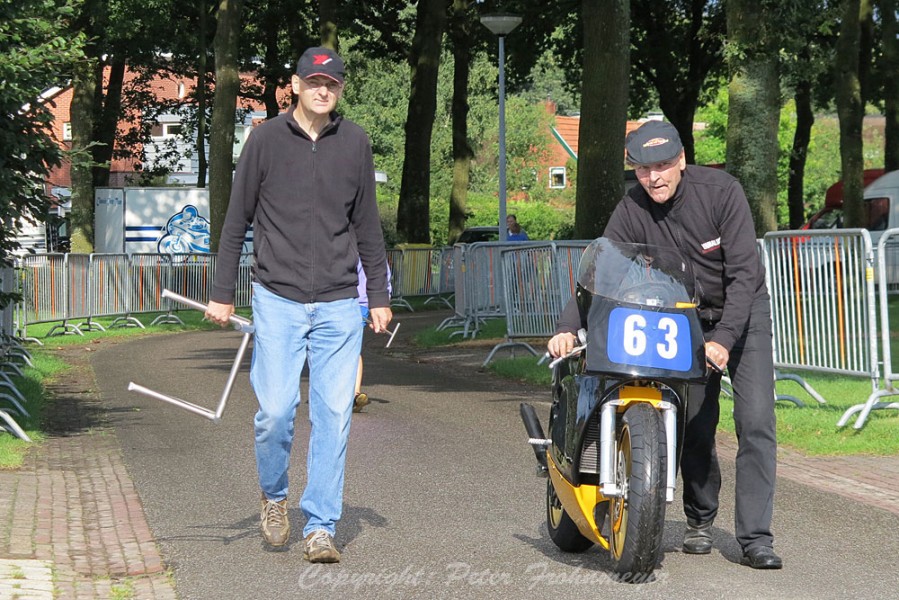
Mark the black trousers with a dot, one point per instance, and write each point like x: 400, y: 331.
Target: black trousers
x: 751, y: 369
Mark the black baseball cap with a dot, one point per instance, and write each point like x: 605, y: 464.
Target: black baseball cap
x: 321, y: 61
x: 653, y: 142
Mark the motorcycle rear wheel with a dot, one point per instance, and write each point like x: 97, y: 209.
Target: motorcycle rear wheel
x: 637, y: 518
x: 562, y: 530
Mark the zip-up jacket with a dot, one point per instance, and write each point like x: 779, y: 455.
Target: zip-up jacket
x: 313, y: 211
x: 709, y: 220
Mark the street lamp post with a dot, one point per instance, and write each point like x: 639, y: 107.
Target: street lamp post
x: 502, y: 25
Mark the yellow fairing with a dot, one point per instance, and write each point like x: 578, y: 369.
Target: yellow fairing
x: 637, y: 393
x: 579, y: 503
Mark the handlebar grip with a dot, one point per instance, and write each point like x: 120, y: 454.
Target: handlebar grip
x: 713, y: 365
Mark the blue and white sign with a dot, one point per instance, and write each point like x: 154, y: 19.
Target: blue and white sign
x: 650, y: 339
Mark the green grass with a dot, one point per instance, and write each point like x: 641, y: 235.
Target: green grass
x: 32, y: 385
x: 193, y: 320
x: 813, y: 429
x: 421, y: 304
x: 492, y: 329
x: 524, y: 369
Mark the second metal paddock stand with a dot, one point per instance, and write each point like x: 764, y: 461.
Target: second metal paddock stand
x: 239, y: 323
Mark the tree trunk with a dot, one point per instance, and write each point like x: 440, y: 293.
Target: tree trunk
x: 107, y: 119
x: 805, y: 118
x: 754, y: 110
x: 460, y: 39
x: 890, y: 62
x: 677, y: 46
x: 84, y: 89
x: 851, y: 111
x: 327, y: 23
x: 681, y: 114
x: 604, y: 98
x: 221, y: 138
x: 413, y: 217
x: 201, y: 95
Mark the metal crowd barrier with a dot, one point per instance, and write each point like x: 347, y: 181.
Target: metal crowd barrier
x: 480, y: 282
x: 397, y: 277
x: 568, y: 258
x: 822, y: 303
x: 110, y: 289
x: 442, y: 265
x: 532, y: 297
x: 43, y: 290
x: 8, y: 285
x: 149, y: 277
x: 481, y: 286
x: 887, y: 285
x: 419, y: 272
x: 11, y: 399
x: 78, y: 299
x: 63, y: 288
x: 460, y: 267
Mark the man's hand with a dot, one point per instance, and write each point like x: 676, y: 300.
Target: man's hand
x: 380, y: 318
x: 561, y: 344
x: 219, y: 313
x: 716, y: 353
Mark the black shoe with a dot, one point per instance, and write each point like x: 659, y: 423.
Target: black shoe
x: 698, y: 539
x: 762, y: 557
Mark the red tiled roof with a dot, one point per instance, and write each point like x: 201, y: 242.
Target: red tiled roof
x: 566, y: 128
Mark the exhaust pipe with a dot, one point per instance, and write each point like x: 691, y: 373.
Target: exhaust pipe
x: 537, y: 439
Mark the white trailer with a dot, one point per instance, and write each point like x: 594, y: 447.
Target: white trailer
x: 151, y: 220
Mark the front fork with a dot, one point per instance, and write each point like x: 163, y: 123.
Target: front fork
x: 609, y: 486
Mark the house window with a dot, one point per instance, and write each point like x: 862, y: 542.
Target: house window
x: 67, y: 131
x: 166, y: 130
x: 557, y: 178
x: 171, y: 129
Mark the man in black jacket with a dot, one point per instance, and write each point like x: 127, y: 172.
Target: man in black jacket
x: 705, y: 214
x: 306, y: 183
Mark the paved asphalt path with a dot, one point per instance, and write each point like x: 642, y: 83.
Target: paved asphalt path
x: 441, y: 499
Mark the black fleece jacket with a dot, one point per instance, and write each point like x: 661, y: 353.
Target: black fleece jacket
x: 709, y: 220
x: 313, y: 210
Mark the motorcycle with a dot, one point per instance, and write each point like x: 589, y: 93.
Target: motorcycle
x: 618, y: 405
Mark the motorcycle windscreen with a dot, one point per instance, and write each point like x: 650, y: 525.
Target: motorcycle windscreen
x: 634, y: 340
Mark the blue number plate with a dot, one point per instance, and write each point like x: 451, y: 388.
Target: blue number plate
x: 650, y: 339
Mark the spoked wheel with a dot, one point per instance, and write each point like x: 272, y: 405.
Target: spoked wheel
x: 562, y: 530
x: 637, y: 518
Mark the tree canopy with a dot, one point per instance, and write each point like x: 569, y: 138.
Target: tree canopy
x: 37, y: 54
x: 677, y: 57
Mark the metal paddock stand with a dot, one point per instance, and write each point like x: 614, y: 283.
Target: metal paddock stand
x: 241, y: 324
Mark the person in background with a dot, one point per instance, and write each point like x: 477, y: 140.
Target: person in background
x: 360, y: 399
x: 704, y: 212
x: 516, y: 233
x: 306, y: 183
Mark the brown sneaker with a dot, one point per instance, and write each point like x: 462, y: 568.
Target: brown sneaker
x: 319, y: 548
x: 275, y: 526
x: 360, y: 402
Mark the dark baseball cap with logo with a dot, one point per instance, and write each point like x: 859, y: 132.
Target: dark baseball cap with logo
x: 653, y: 142
x: 321, y: 61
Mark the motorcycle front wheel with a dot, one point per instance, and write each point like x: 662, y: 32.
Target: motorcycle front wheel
x: 637, y: 518
x: 562, y: 530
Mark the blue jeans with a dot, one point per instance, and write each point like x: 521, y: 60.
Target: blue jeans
x: 287, y: 333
